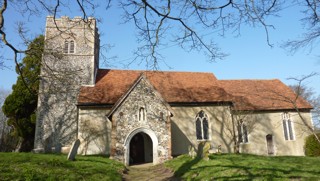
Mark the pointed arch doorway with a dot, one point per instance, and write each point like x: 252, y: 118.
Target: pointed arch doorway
x: 140, y: 149
x: 141, y: 146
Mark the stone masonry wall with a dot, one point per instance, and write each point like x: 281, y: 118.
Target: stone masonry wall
x: 62, y: 74
x: 129, y: 117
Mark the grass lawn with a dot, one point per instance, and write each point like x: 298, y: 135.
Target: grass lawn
x: 29, y: 166
x: 246, y: 167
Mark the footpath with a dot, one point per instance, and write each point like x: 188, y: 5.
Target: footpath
x: 149, y: 172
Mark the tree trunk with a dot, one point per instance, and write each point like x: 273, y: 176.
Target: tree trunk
x: 236, y: 147
x: 25, y: 144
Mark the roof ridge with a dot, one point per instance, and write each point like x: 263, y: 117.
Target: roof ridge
x: 135, y: 70
x: 274, y: 79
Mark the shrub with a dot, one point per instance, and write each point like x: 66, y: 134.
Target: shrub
x: 312, y: 146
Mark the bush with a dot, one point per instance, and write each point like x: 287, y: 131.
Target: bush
x: 312, y: 146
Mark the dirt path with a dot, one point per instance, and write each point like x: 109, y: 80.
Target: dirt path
x: 149, y: 172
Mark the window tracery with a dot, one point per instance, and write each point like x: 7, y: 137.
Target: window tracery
x: 69, y: 47
x: 287, y: 127
x: 202, y: 126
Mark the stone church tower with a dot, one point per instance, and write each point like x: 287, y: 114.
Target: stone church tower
x: 71, y: 59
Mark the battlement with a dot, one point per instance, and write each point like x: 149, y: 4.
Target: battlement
x: 82, y: 32
x: 77, y: 42
x: 66, y: 23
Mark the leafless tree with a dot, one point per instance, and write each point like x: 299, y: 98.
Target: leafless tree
x: 184, y: 22
x: 3, y: 95
x: 187, y: 23
x: 308, y: 94
x: 7, y: 141
x: 311, y: 21
x: 243, y: 122
x: 237, y: 124
x: 295, y: 101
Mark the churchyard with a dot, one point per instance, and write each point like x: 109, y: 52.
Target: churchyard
x: 29, y: 166
x: 246, y: 167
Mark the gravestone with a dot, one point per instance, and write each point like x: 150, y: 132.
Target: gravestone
x: 219, y: 149
x: 73, y: 151
x: 192, y: 152
x: 203, y: 150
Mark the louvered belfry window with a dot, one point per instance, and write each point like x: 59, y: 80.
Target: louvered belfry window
x: 66, y: 47
x: 69, y: 47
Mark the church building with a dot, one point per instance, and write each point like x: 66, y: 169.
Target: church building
x: 139, y: 116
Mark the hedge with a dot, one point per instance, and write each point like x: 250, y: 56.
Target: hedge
x: 312, y: 146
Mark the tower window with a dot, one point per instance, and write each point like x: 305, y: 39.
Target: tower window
x: 69, y: 47
x: 66, y: 47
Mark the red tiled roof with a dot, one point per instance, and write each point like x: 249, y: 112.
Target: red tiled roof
x: 262, y: 95
x: 173, y: 86
x: 193, y: 87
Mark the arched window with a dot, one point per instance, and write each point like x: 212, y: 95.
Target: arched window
x: 142, y: 114
x: 202, y: 126
x: 243, y: 133
x: 287, y: 127
x: 66, y: 47
x: 161, y: 117
x: 69, y: 47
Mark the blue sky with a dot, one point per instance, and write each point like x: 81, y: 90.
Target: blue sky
x: 250, y: 57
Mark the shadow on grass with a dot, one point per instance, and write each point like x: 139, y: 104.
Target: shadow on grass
x: 248, y: 167
x: 248, y: 170
x: 265, y: 173
x: 186, y: 167
x: 94, y: 159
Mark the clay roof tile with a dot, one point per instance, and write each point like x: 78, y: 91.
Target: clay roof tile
x: 173, y: 86
x: 194, y: 87
x: 263, y: 95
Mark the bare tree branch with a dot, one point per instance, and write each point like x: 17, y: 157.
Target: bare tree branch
x: 296, y: 100
x: 311, y: 37
x: 160, y: 20
x: 34, y: 8
x: 5, y: 41
x: 187, y: 23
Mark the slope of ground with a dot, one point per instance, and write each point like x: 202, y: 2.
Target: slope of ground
x: 246, y: 167
x: 29, y: 166
x: 149, y: 172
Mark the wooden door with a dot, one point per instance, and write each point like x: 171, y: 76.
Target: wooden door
x: 270, y: 145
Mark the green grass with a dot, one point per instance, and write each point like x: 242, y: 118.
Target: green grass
x: 29, y: 166
x: 246, y: 167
